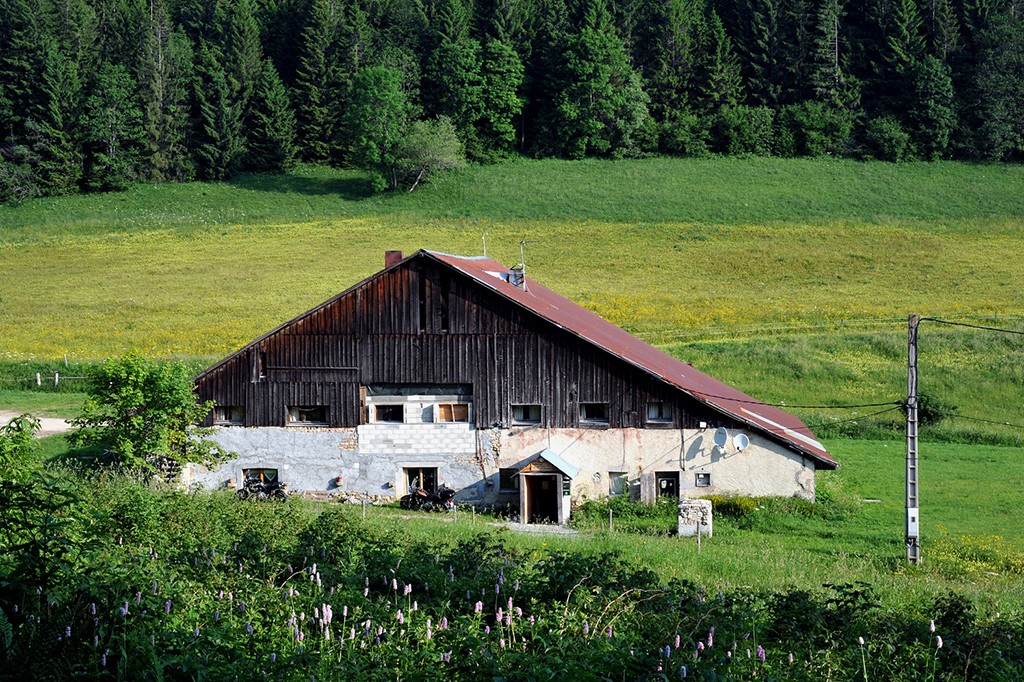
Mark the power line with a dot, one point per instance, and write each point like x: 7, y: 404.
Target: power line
x: 752, y: 401
x: 974, y: 326
x: 987, y: 421
x: 863, y: 416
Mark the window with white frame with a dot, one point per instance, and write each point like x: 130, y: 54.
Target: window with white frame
x: 702, y: 479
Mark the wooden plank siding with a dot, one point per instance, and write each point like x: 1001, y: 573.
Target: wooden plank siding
x: 424, y: 323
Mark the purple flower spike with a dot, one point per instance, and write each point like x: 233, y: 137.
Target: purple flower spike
x: 92, y: 609
x: 138, y: 598
x: 700, y: 646
x: 760, y: 653
x: 678, y: 641
x: 487, y: 629
x: 667, y: 651
x: 444, y: 622
x: 103, y: 661
x: 478, y: 607
x: 586, y: 628
x: 791, y: 658
x: 273, y: 657
x: 682, y: 672
x: 167, y: 606
x: 67, y: 632
x: 400, y: 617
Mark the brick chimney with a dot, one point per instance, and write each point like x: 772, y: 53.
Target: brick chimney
x: 392, y: 258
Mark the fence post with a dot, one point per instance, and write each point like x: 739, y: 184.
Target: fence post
x: 56, y: 378
x: 39, y: 379
x: 609, y: 520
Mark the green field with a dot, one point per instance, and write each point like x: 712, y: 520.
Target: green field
x: 790, y: 279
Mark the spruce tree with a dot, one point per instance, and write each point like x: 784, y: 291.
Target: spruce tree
x: 165, y: 74
x: 452, y: 79
x: 600, y: 105
x: 315, y: 94
x: 218, y: 141
x: 718, y: 72
x: 52, y: 125
x: 272, y: 125
x: 112, y: 130
x: 501, y: 76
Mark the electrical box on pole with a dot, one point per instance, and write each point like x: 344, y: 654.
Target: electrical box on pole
x: 913, y: 502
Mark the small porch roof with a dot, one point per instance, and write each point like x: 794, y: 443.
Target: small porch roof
x: 555, y: 460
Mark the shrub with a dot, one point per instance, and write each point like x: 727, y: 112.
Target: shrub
x: 743, y: 130
x: 686, y: 135
x: 886, y: 140
x: 813, y: 129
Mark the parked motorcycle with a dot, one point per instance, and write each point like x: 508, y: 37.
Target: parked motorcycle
x: 418, y: 498
x: 262, y: 488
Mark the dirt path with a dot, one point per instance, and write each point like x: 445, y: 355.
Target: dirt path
x: 49, y: 425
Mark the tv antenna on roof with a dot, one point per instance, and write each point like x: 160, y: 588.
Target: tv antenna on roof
x: 522, y: 258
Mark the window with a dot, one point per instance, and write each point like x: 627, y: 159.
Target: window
x: 659, y: 413
x: 389, y: 414
x: 508, y: 482
x: 618, y: 483
x: 228, y: 415
x: 420, y: 477
x: 702, y: 479
x: 453, y: 412
x: 307, y: 415
x: 526, y: 414
x: 594, y: 413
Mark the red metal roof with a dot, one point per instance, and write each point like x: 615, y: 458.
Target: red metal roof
x: 778, y: 424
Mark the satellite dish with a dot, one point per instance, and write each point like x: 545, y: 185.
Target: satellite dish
x: 741, y: 442
x: 721, y: 436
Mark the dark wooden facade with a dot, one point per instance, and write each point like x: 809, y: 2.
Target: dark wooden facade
x: 421, y: 322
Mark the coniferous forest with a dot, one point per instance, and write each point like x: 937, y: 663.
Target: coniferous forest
x: 97, y: 94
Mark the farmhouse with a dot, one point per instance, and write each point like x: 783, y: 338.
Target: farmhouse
x: 459, y: 370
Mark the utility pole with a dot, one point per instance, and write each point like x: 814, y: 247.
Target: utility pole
x: 913, y: 503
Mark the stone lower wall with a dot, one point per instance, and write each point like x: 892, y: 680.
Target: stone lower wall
x: 370, y: 460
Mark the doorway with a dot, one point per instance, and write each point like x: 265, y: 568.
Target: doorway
x: 542, y: 495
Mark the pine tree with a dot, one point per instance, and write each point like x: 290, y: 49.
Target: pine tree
x: 219, y: 143
x: 932, y: 119
x: 453, y: 83
x: 52, y: 126
x: 762, y: 52
x: 112, y: 130
x: 600, y: 105
x: 668, y: 56
x: 830, y: 77
x: 501, y: 76
x: 243, y: 52
x: 718, y: 72
x: 165, y: 74
x: 272, y: 129
x: 21, y: 59
x: 317, y: 110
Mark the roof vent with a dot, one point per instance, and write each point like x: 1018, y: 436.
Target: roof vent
x: 392, y: 258
x: 517, y: 276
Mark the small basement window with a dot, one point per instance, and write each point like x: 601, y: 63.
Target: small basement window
x: 526, y: 414
x: 228, y: 415
x: 307, y: 415
x: 702, y: 479
x: 618, y: 483
x: 389, y: 414
x: 453, y: 412
x: 659, y: 412
x: 594, y: 413
x: 420, y: 477
x: 508, y: 482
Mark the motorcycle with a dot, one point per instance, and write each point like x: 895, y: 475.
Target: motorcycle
x: 262, y: 488
x: 419, y: 499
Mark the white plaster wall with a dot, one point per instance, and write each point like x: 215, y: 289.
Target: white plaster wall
x: 762, y: 469
x: 370, y: 459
